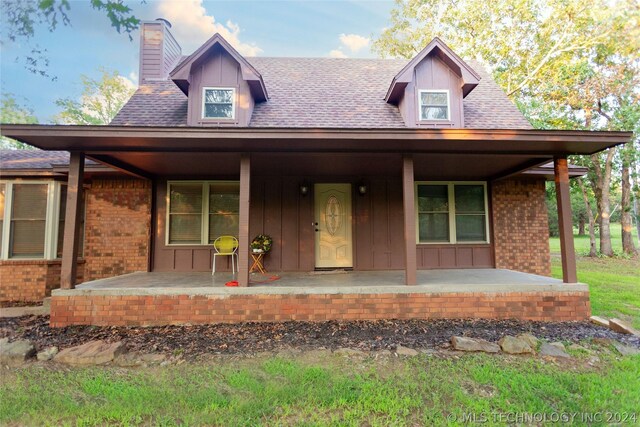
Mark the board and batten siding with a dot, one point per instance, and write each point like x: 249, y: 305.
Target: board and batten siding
x: 433, y: 74
x: 220, y: 70
x: 279, y: 210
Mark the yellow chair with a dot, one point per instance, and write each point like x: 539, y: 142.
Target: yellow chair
x: 226, y: 246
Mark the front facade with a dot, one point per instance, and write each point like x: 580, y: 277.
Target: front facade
x: 368, y: 166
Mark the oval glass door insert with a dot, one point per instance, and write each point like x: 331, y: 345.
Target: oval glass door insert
x: 333, y: 215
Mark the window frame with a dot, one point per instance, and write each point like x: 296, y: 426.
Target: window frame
x: 420, y: 105
x: 203, y: 115
x: 204, y: 226
x: 453, y: 238
x: 52, y: 217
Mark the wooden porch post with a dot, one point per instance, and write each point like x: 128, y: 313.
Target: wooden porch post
x: 243, y: 238
x: 72, y: 221
x: 408, y: 197
x: 563, y: 200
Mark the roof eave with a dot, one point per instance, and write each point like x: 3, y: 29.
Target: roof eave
x: 129, y: 138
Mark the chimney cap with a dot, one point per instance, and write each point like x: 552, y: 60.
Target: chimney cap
x: 166, y: 22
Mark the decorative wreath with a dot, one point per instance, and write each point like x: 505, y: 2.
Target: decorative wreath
x: 262, y: 242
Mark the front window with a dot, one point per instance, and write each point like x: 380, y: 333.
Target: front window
x: 32, y: 219
x: 218, y: 103
x: 200, y: 212
x: 28, y: 220
x: 452, y: 212
x: 434, y: 105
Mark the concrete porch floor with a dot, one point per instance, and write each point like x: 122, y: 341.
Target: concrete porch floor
x: 429, y: 281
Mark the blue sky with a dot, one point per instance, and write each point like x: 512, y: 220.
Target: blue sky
x: 263, y: 28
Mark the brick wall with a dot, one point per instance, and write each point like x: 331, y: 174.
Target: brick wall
x: 30, y: 280
x: 117, y: 227
x: 147, y: 310
x: 520, y: 226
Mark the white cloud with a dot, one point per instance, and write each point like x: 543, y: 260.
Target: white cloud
x: 191, y: 26
x: 337, y: 53
x: 133, y: 77
x: 354, y: 42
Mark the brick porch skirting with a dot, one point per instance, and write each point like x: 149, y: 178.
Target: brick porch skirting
x: 104, y: 308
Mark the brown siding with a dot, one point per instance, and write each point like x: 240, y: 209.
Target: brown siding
x: 432, y: 73
x: 520, y: 224
x: 455, y: 256
x: 278, y: 209
x: 159, y: 51
x: 218, y: 69
x: 117, y: 227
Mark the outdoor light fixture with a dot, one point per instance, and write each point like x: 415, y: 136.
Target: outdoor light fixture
x: 304, y: 189
x: 362, y: 188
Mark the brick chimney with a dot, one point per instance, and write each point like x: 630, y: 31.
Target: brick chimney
x: 159, y: 50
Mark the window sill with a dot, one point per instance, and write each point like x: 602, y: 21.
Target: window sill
x: 35, y: 261
x: 454, y: 244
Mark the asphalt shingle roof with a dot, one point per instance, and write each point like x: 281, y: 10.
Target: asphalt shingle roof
x: 321, y: 93
x: 34, y: 159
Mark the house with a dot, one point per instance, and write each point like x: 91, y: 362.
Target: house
x: 420, y: 179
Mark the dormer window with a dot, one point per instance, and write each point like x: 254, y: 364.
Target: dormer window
x: 434, y: 105
x: 218, y: 103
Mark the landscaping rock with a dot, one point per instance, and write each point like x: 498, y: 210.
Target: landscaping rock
x: 529, y: 339
x: 17, y: 352
x: 473, y: 344
x: 92, y: 353
x: 514, y: 345
x: 47, y: 354
x: 555, y: 350
x: 622, y: 327
x: 624, y: 349
x: 406, y: 351
x: 599, y: 321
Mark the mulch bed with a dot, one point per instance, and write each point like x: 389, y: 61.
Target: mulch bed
x: 197, y: 340
x: 8, y: 304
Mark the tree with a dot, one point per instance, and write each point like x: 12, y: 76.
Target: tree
x: 20, y: 18
x: 100, y: 100
x: 12, y: 112
x: 568, y: 64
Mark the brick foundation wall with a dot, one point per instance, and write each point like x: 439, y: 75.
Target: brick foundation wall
x: 148, y: 310
x: 30, y: 280
x: 117, y: 227
x: 521, y: 226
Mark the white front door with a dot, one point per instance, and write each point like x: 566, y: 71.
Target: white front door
x: 334, y: 247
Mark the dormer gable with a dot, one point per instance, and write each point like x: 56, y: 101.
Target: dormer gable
x: 221, y: 85
x: 429, y: 90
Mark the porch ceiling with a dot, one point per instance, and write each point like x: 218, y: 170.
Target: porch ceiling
x: 439, y: 153
x: 434, y: 166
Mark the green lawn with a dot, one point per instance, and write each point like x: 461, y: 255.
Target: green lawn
x: 582, y: 242
x: 614, y: 283
x: 322, y: 390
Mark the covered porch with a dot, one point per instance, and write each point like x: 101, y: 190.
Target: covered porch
x: 292, y: 157
x: 338, y: 281
x: 270, y: 167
